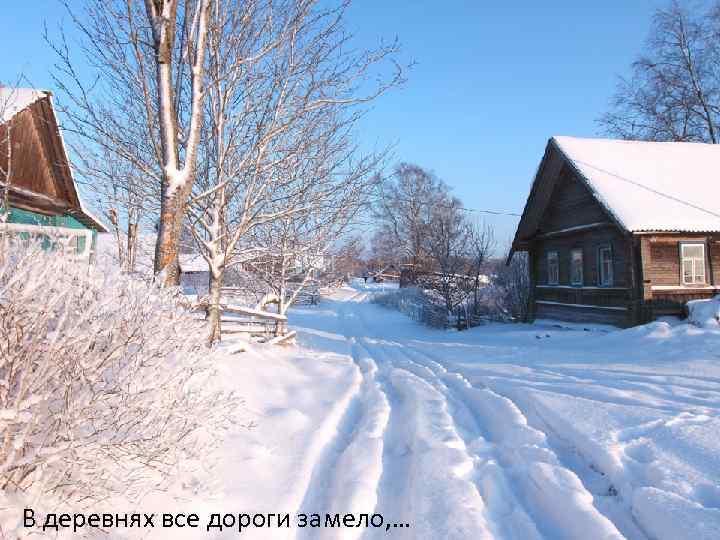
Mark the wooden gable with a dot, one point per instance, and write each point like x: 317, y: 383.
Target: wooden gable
x: 559, y: 199
x: 41, y: 179
x: 570, y: 205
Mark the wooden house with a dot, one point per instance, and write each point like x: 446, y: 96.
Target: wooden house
x: 36, y: 178
x: 194, y: 274
x: 621, y: 232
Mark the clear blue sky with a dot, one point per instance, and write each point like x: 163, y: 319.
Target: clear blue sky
x: 493, y: 80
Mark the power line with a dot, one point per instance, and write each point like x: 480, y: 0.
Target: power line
x: 648, y: 188
x: 493, y: 212
x: 461, y: 207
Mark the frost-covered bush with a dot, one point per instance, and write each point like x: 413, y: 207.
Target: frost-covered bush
x: 103, y: 381
x: 418, y: 304
x: 511, y: 288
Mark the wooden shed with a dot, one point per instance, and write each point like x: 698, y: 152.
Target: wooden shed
x: 36, y: 177
x: 621, y: 232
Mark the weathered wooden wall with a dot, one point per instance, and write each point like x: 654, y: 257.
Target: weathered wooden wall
x: 38, y: 162
x: 571, y: 205
x: 664, y: 263
x: 575, y: 220
x: 562, y: 214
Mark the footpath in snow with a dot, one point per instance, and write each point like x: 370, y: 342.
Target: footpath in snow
x: 504, y: 431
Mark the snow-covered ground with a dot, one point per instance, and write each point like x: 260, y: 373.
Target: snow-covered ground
x: 504, y: 431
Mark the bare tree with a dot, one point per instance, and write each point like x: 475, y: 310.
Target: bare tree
x: 404, y: 208
x: 512, y: 287
x: 283, y: 99
x: 458, y: 248
x: 673, y: 93
x: 146, y: 102
x: 177, y: 141
x: 384, y: 249
x: 298, y: 242
x: 125, y: 196
x: 349, y: 257
x: 446, y: 239
x: 8, y: 97
x: 480, y: 246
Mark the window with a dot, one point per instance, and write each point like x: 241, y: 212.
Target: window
x: 692, y: 260
x: 553, y: 268
x: 605, y: 266
x: 576, y: 266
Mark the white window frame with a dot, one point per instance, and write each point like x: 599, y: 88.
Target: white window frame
x: 581, y: 280
x: 695, y: 263
x: 553, y: 280
x: 603, y: 279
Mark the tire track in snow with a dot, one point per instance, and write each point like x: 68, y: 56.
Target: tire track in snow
x: 425, y: 464
x: 545, y: 467
x: 509, y: 518
x: 428, y: 467
x: 345, y: 479
x: 334, y: 431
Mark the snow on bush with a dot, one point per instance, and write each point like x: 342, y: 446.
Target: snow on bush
x: 103, y: 381
x: 704, y: 313
x: 512, y: 288
x: 418, y: 304
x: 499, y: 301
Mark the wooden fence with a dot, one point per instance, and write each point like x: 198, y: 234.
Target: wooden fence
x: 258, y: 322
x: 253, y: 323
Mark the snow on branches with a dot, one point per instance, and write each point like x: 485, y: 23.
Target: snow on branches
x: 104, y: 387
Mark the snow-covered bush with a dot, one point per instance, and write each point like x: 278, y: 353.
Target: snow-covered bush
x: 504, y: 299
x: 418, y: 304
x: 103, y: 381
x: 511, y: 288
x: 704, y: 313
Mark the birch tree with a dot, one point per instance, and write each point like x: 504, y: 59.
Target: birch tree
x: 404, y: 208
x: 283, y: 99
x: 177, y: 141
x: 5, y: 153
x: 673, y: 92
x: 145, y: 103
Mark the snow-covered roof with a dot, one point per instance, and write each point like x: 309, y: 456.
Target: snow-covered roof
x: 651, y: 186
x: 193, y: 262
x: 14, y: 100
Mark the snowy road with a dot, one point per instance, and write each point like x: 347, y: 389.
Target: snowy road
x: 423, y: 446
x: 465, y: 437
x: 503, y: 431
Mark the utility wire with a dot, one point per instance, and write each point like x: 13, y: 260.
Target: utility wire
x: 648, y: 188
x: 461, y: 207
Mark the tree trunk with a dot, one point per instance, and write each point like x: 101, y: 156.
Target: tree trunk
x: 166, y: 247
x: 131, y: 246
x: 214, y: 310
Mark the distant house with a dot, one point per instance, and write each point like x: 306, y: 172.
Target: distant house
x: 194, y: 273
x: 621, y: 232
x: 43, y: 198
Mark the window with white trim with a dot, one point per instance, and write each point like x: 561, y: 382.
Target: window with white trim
x: 605, y: 266
x: 576, y: 266
x: 553, y: 268
x: 692, y: 263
